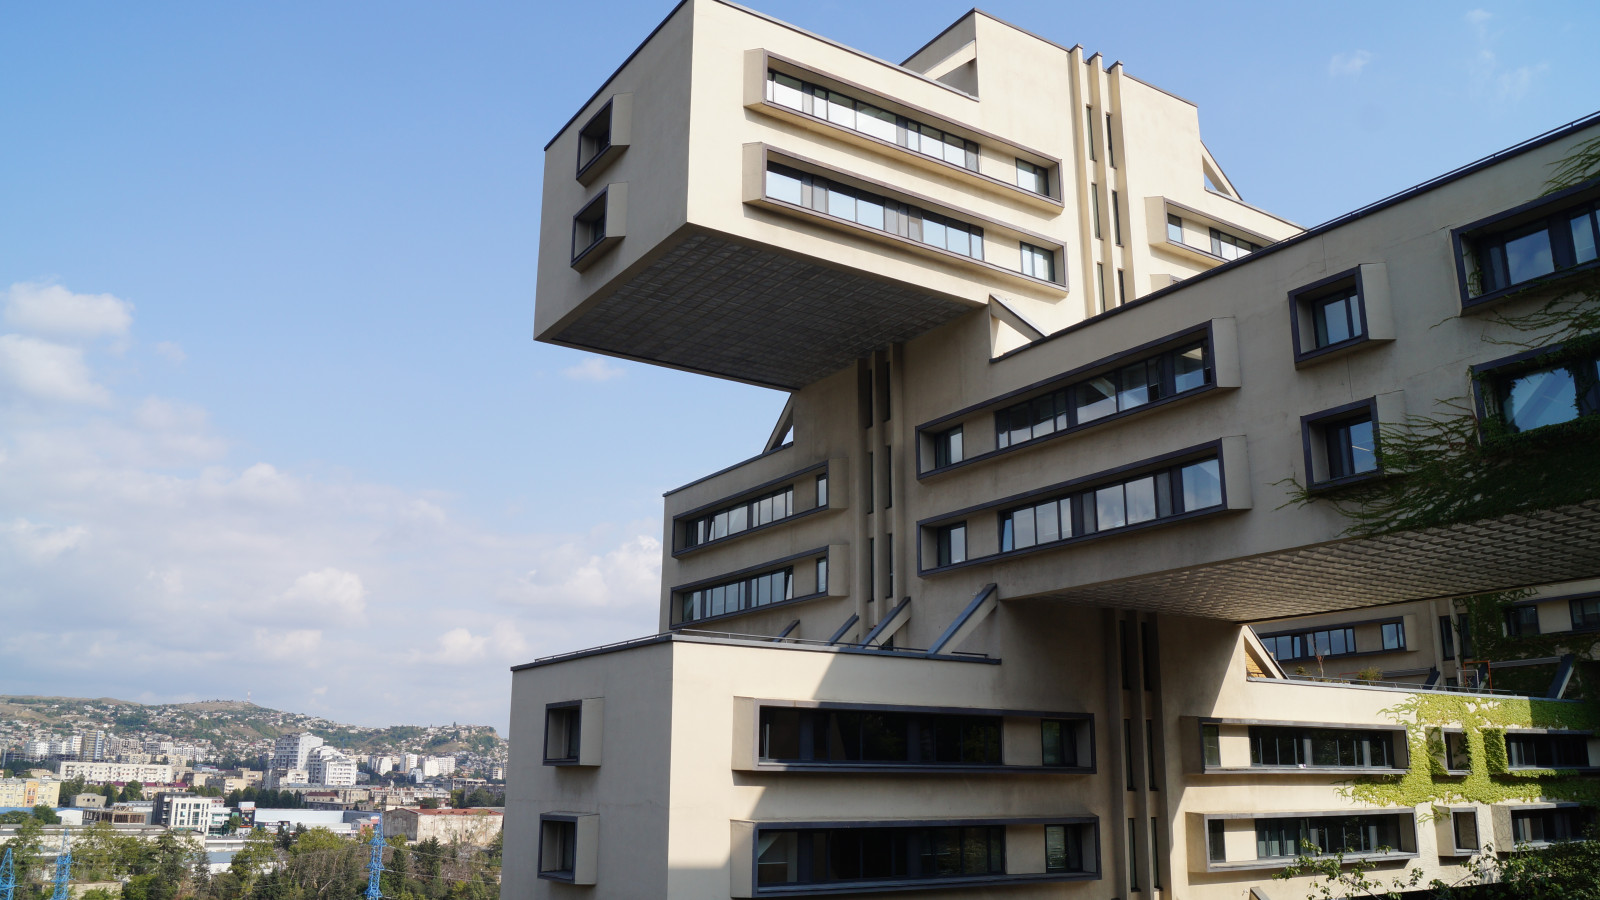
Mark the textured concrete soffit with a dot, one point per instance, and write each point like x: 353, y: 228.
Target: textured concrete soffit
x: 724, y: 308
x: 1496, y: 554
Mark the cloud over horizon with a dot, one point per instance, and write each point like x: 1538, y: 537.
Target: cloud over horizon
x: 131, y: 528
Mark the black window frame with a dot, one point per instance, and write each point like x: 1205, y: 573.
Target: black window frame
x: 1034, y: 169
x: 1167, y: 487
x: 810, y: 92
x: 567, y: 826
x: 949, y: 447
x: 1585, y: 612
x: 1315, y: 427
x: 1557, y: 824
x: 1304, y: 303
x: 944, y: 552
x: 1242, y: 246
x: 1477, y: 240
x: 1024, y: 248
x: 903, y: 220
x: 596, y: 152
x: 1447, y: 635
x: 1522, y: 621
x: 1303, y: 642
x: 1308, y: 747
x: 689, y: 528
x: 1546, y: 750
x: 585, y: 219
x: 1493, y: 380
x: 568, y: 715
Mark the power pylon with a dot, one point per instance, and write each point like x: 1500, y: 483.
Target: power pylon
x: 374, y: 864
x: 63, y: 870
x: 8, y: 877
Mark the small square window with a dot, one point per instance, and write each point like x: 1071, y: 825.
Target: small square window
x: 1341, y: 444
x: 1336, y: 319
x: 594, y: 138
x: 1394, y: 636
x: 1464, y: 825
x: 951, y: 541
x: 1060, y: 742
x: 562, y: 726
x: 1033, y: 178
x: 589, y: 226
x: 558, y: 848
x: 1522, y: 621
x: 1038, y: 262
x: 1336, y: 315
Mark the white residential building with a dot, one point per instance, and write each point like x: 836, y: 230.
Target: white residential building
x: 291, y: 751
x: 110, y: 771
x: 329, y: 766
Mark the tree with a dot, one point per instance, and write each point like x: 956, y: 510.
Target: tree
x: 260, y: 853
x: 46, y: 815
x: 133, y: 790
x: 429, y: 803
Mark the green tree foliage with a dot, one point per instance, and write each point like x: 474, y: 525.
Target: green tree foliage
x: 46, y: 815
x: 133, y: 790
x: 1564, y: 871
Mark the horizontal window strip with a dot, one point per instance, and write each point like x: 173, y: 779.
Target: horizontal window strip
x: 741, y: 594
x: 1162, y: 494
x: 864, y: 118
x: 874, y: 211
x: 1155, y: 377
x: 739, y: 517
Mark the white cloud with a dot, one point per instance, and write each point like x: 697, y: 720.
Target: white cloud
x: 171, y: 352
x: 328, y: 592
x: 191, y: 567
x: 42, y: 543
x: 52, y: 309
x: 594, y: 368
x: 1479, y: 18
x: 1489, y: 78
x: 1349, y: 63
x: 48, y: 371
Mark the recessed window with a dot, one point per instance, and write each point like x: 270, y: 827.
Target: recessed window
x: 1324, y: 747
x: 737, y: 596
x: 1341, y: 444
x: 855, y: 736
x: 1116, y: 218
x: 1336, y: 318
x: 1158, y: 495
x: 1283, y: 838
x: 1033, y: 178
x: 1063, y: 848
x: 1038, y: 262
x: 1111, y: 144
x: 1131, y: 386
x: 1522, y: 621
x: 1547, y: 751
x: 558, y: 848
x: 873, y: 211
x: 739, y: 517
x: 1094, y: 208
x: 822, y: 575
x: 589, y: 226
x: 947, y: 448
x: 1060, y: 741
x: 1553, y: 387
x: 1394, y: 635
x: 1229, y: 246
x: 1456, y: 756
x: 1586, y: 614
x: 594, y: 138
x: 1174, y: 229
x: 1497, y: 258
x: 1309, y: 644
x: 562, y: 730
x: 1549, y: 826
x: 951, y: 544
x: 845, y: 855
x: 857, y: 115
x: 1464, y: 829
x: 1211, y: 746
x: 1088, y: 129
x: 1216, y: 847
x: 822, y: 489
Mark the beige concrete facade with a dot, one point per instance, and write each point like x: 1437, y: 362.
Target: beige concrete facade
x: 1076, y: 569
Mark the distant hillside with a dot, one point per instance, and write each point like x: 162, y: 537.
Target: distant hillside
x: 237, y: 724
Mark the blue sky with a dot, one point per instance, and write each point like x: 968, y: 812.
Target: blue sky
x: 271, y: 419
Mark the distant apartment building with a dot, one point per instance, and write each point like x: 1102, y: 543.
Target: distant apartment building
x: 118, y: 814
x: 470, y: 826
x: 29, y: 792
x: 329, y: 766
x: 102, y: 772
x: 277, y: 779
x: 183, y: 812
x: 381, y: 765
x: 89, y: 801
x: 292, y: 751
x: 409, y: 761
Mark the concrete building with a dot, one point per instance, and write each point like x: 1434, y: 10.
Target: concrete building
x: 184, y: 812
x: 103, y: 772
x: 470, y: 826
x: 30, y: 792
x: 329, y: 766
x: 293, y: 751
x: 1066, y: 417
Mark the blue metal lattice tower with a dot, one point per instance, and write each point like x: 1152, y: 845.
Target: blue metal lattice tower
x: 374, y: 864
x: 8, y: 877
x: 63, y: 870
